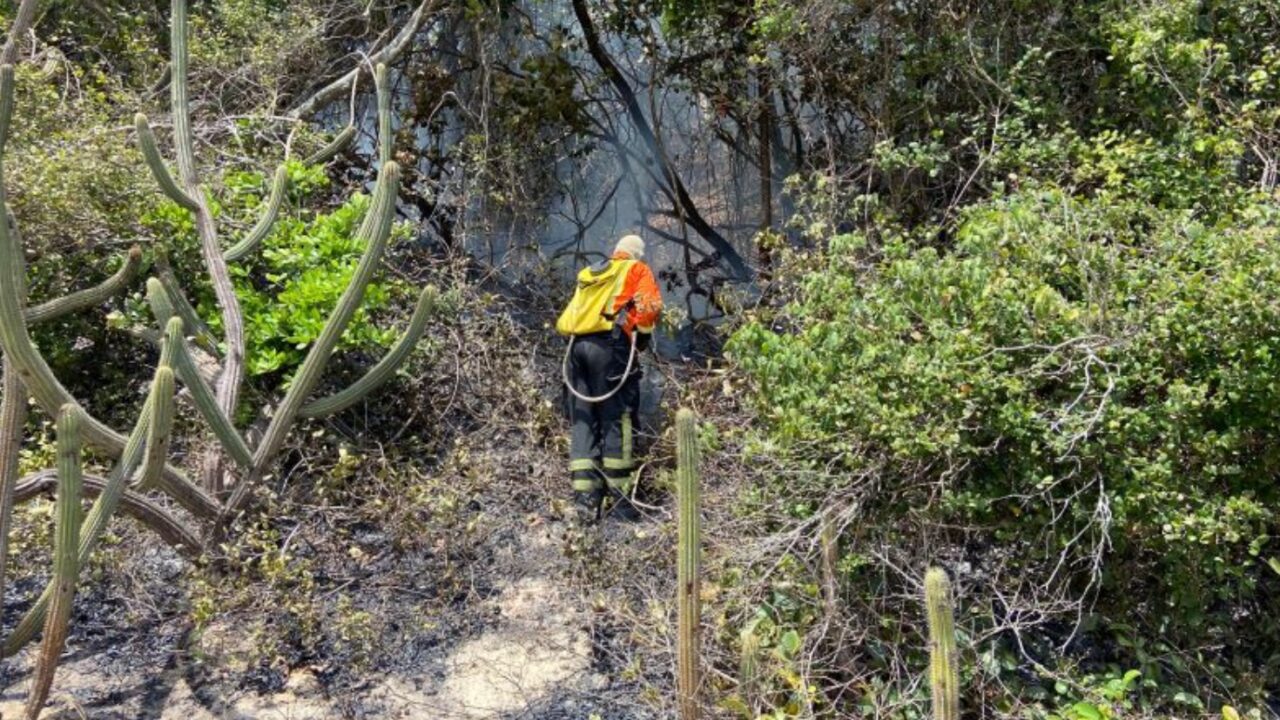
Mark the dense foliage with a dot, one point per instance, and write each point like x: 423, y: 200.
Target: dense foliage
x: 1067, y: 384
x: 1019, y: 311
x: 288, y: 288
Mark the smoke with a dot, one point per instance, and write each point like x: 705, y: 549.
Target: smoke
x: 588, y: 189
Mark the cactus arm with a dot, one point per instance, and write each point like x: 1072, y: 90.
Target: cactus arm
x: 385, y: 369
x: 6, y: 106
x: 222, y: 427
x: 13, y: 420
x: 151, y: 152
x: 233, y: 365
x: 136, y: 506
x: 158, y: 429
x: 195, y: 326
x: 326, y: 153
x: 266, y: 221
x: 944, y: 677
x: 95, y: 522
x: 384, y: 113
x: 374, y: 232
x: 687, y: 578
x: 66, y: 566
x: 88, y: 297
x: 13, y: 406
x: 207, y: 404
x: 187, y: 494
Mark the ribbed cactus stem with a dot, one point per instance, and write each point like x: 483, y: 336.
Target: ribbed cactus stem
x: 233, y: 362
x: 13, y: 421
x: 201, y: 393
x: 13, y: 406
x: 687, y: 578
x: 66, y: 562
x: 266, y: 221
x: 182, y: 138
x: 13, y: 275
x: 375, y: 231
x: 89, y: 297
x: 155, y: 161
x: 385, y: 369
x: 158, y: 428
x: 383, y: 87
x: 944, y: 678
x: 188, y: 495
x: 6, y: 104
x: 326, y: 153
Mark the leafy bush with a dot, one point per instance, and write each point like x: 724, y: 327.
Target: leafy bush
x: 1090, y: 383
x: 290, y: 285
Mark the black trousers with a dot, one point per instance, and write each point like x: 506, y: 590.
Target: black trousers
x: 601, y: 445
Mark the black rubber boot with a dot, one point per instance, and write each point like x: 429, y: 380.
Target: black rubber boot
x: 621, y: 507
x: 587, y: 504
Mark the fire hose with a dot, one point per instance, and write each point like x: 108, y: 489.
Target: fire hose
x: 564, y: 372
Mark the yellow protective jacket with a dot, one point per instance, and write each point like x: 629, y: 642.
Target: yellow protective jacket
x: 623, y: 284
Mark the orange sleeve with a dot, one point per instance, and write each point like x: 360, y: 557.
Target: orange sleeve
x: 640, y: 289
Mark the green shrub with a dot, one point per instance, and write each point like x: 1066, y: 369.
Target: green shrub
x: 287, y: 287
x: 1089, y: 383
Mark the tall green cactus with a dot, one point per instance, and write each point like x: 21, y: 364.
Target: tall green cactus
x: 687, y: 578
x: 66, y: 563
x: 87, y: 298
x: 944, y: 677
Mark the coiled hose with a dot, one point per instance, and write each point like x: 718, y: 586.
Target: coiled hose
x: 564, y: 372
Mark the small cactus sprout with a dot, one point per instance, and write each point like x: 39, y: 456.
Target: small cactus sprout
x: 687, y: 579
x: 943, y: 662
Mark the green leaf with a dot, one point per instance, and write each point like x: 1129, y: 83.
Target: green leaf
x: 789, y: 644
x: 1274, y: 564
x: 1086, y: 711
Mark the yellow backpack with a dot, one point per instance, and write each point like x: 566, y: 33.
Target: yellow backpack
x: 593, y: 298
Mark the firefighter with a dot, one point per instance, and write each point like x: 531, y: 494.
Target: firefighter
x: 609, y: 322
